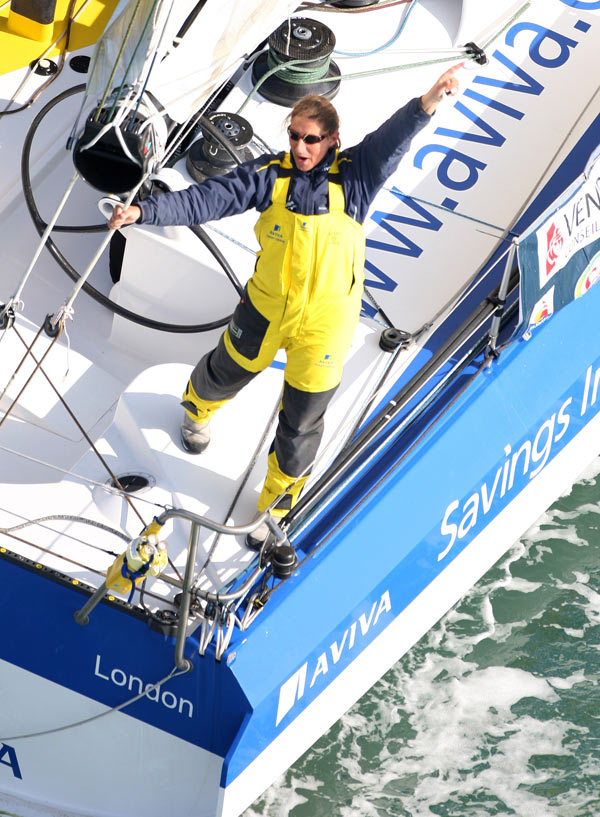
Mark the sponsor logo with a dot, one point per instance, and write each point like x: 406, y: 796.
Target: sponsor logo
x: 276, y: 234
x: 554, y: 247
x: 542, y: 310
x: 573, y: 227
x: 326, y: 362
x: 314, y: 673
x: 518, y: 467
x: 588, y: 277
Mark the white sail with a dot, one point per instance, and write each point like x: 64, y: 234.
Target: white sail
x: 138, y: 47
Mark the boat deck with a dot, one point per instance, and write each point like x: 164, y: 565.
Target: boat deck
x: 122, y: 382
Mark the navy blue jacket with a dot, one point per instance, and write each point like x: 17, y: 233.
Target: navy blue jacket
x: 250, y: 185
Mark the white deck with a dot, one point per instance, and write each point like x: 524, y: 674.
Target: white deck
x: 124, y: 381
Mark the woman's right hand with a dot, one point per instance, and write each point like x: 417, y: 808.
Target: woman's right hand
x: 121, y: 216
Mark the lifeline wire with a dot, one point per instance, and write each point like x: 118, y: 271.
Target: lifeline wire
x: 65, y: 517
x: 149, y: 687
x: 87, y: 480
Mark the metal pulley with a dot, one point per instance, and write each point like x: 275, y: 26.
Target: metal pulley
x: 302, y: 50
x: 223, y: 145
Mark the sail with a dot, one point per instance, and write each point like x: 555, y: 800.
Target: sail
x: 141, y: 47
x: 559, y: 255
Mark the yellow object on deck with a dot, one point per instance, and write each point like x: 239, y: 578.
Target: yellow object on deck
x: 142, y: 558
x: 25, y: 31
x: 33, y: 19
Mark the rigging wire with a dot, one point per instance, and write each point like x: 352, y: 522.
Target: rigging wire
x: 76, y: 421
x: 60, y: 556
x: 86, y: 480
x: 86, y: 436
x: 363, y: 74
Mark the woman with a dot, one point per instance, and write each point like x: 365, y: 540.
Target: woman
x: 305, y: 293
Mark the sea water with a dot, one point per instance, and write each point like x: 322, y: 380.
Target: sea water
x: 496, y: 711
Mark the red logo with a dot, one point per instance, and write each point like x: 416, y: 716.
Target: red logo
x: 555, y: 242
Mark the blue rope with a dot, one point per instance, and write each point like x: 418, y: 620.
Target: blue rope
x: 381, y: 47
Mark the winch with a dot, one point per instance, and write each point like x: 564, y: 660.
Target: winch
x: 120, y: 145
x: 302, y: 49
x: 222, y: 146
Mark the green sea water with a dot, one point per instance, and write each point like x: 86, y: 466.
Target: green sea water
x: 496, y: 711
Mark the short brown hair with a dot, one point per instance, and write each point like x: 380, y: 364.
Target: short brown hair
x: 319, y: 108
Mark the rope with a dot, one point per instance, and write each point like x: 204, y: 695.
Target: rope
x: 65, y: 517
x: 82, y: 430
x: 507, y: 25
x: 103, y: 244
x: 296, y: 72
x: 15, y: 302
x: 109, y: 83
x: 173, y: 674
x: 18, y: 369
x: 289, y: 65
x: 42, y: 549
x: 389, y: 42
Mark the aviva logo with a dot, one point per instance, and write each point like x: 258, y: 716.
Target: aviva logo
x: 293, y: 689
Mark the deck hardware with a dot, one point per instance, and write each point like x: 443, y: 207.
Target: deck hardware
x: 80, y: 64
x: 44, y: 67
x: 284, y: 560
x: 297, y: 62
x: 208, y: 156
x: 391, y: 338
x: 476, y: 53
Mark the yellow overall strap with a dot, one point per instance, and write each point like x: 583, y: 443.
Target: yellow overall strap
x: 281, y: 187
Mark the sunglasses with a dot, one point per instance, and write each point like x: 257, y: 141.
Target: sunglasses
x: 308, y: 138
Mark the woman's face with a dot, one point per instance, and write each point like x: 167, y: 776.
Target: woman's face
x: 306, y: 156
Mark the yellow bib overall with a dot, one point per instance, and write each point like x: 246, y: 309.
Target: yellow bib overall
x: 305, y: 297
